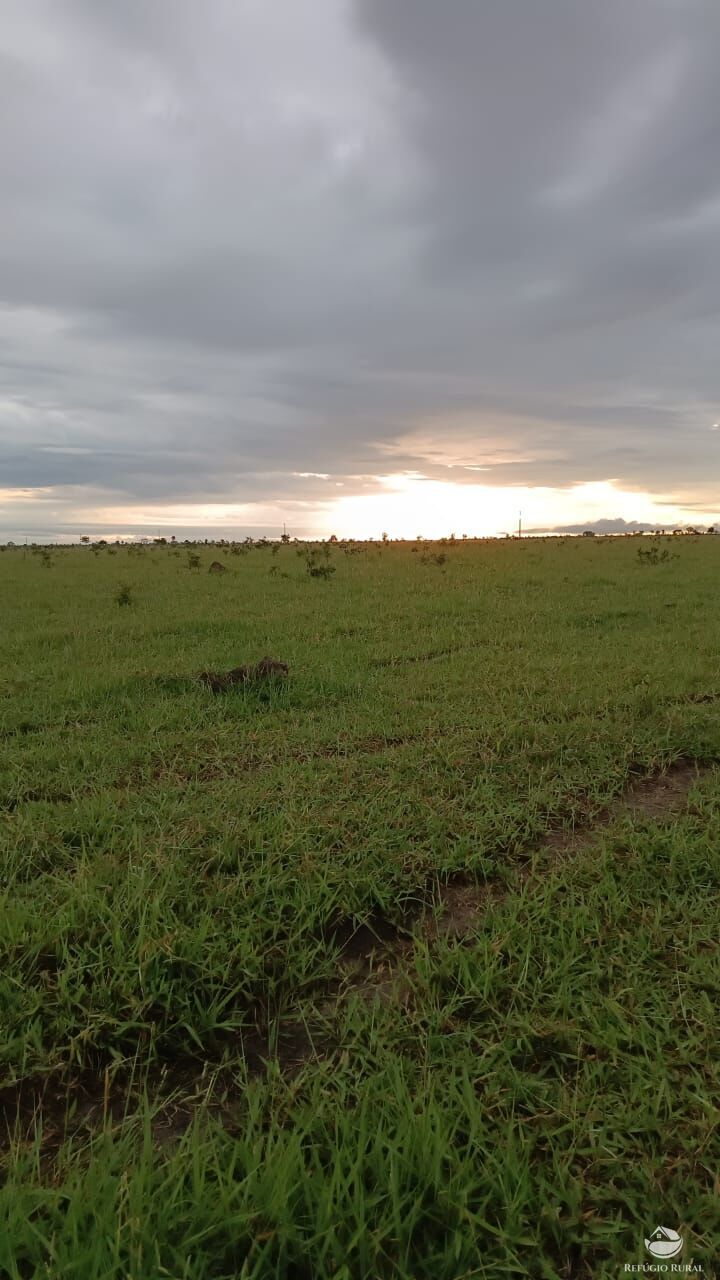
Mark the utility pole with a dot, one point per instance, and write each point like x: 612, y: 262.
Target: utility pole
x: 519, y: 524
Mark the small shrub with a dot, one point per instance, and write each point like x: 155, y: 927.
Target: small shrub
x: 313, y: 564
x: 123, y: 595
x: 653, y: 554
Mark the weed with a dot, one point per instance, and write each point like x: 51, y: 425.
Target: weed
x: 317, y: 562
x: 653, y: 554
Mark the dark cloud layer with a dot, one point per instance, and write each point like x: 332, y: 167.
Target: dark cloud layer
x: 246, y: 241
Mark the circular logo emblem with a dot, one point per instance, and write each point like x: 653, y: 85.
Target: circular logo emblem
x: 664, y: 1243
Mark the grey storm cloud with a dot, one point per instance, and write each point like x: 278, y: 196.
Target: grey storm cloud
x: 241, y: 242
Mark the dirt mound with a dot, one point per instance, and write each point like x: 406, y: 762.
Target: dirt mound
x: 217, y: 567
x: 265, y: 669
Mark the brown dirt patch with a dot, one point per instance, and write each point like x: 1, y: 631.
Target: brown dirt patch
x: 462, y: 903
x: 265, y: 669
x: 666, y: 794
x: 79, y: 1105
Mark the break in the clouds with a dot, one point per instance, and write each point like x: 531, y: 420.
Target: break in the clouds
x: 259, y: 260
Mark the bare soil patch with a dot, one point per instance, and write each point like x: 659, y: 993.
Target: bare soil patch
x: 265, y: 669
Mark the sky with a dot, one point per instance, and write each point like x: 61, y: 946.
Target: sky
x: 358, y: 266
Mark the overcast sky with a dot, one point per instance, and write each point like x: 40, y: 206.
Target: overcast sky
x: 262, y: 260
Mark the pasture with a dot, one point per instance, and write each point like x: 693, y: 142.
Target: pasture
x: 404, y: 965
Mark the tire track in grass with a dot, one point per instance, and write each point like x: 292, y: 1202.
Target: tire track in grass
x: 375, y: 961
x: 159, y: 770
x: 463, y: 902
x: 145, y: 777
x: 375, y: 956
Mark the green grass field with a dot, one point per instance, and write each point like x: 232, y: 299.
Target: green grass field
x: 246, y: 1030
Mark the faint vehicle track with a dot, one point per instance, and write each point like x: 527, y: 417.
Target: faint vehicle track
x: 375, y: 961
